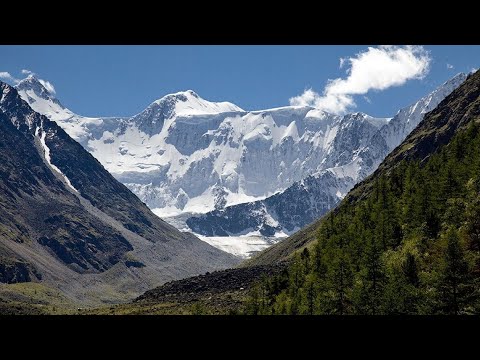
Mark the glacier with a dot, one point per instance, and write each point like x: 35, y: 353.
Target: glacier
x: 359, y: 146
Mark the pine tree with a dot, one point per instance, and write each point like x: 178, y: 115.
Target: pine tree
x: 472, y: 213
x: 319, y: 266
x: 410, y: 270
x: 369, y: 291
x: 395, y: 297
x: 339, y: 283
x: 253, y: 303
x: 309, y: 293
x: 455, y: 282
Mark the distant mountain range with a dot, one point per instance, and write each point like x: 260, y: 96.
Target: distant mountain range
x: 267, y: 172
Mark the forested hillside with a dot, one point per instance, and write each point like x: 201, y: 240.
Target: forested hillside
x: 407, y: 240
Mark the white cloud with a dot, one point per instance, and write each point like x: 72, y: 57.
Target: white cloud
x: 367, y: 99
x: 48, y: 85
x: 27, y: 72
x: 5, y: 76
x: 306, y: 99
x: 450, y: 66
x: 376, y: 68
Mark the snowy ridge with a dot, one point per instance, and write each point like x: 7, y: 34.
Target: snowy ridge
x: 41, y: 100
x: 408, y: 118
x: 187, y: 154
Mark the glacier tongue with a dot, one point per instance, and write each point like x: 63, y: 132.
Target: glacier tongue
x: 184, y: 154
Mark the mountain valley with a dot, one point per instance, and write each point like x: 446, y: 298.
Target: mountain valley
x: 403, y: 241
x: 200, y: 207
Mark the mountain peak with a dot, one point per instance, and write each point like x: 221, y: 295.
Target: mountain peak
x: 186, y: 103
x: 31, y: 77
x: 31, y: 82
x: 10, y: 99
x: 192, y: 93
x: 35, y: 88
x: 9, y: 96
x: 33, y: 91
x: 181, y: 96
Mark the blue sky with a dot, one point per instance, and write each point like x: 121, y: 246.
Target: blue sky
x: 123, y: 80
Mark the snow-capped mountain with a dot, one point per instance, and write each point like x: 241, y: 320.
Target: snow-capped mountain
x: 187, y: 154
x: 65, y: 221
x: 407, y: 119
x: 355, y: 153
x: 184, y: 154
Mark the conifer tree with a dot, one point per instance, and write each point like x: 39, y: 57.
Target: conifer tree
x: 455, y: 282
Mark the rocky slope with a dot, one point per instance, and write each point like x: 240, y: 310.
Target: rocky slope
x: 65, y: 221
x: 217, y: 293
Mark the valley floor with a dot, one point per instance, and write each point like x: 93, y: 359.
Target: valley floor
x: 217, y: 293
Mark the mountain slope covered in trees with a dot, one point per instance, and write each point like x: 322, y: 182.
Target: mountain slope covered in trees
x: 404, y: 241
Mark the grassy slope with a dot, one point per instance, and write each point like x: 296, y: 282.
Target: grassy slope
x: 33, y: 299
